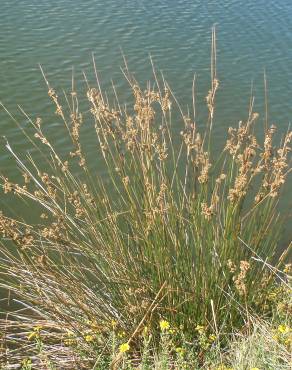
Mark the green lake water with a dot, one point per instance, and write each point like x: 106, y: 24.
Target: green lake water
x: 253, y: 36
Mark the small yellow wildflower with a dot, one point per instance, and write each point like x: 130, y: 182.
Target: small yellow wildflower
x: 31, y: 335
x: 26, y: 362
x: 200, y: 329
x: 69, y: 341
x: 212, y: 337
x: 114, y: 324
x: 94, y: 326
x: 164, y: 325
x: 224, y: 367
x: 254, y: 368
x: 35, y: 333
x: 284, y: 329
x: 89, y: 338
x: 288, y: 268
x: 121, y: 334
x: 124, y: 347
x: 181, y: 351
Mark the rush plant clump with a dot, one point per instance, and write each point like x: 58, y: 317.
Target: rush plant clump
x: 170, y: 232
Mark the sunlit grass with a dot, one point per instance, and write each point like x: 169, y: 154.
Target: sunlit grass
x: 174, y: 237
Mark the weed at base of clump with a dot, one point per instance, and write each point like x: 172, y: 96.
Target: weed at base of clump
x: 267, y: 345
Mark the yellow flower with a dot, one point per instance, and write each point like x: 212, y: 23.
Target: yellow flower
x: 223, y: 367
x: 89, y: 338
x: 26, y: 362
x: 200, y: 329
x: 288, y: 268
x: 124, y: 347
x: 94, y: 326
x: 35, y: 333
x: 114, y: 324
x: 181, y: 351
x: 284, y: 329
x: 254, y: 368
x: 31, y: 335
x: 164, y: 325
x: 121, y: 334
x: 212, y: 337
x: 145, y: 330
x: 69, y: 341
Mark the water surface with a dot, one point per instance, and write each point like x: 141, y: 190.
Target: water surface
x: 252, y: 37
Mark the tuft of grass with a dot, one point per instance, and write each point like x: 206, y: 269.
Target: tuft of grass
x: 261, y: 349
x: 172, y: 232
x: 265, y: 346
